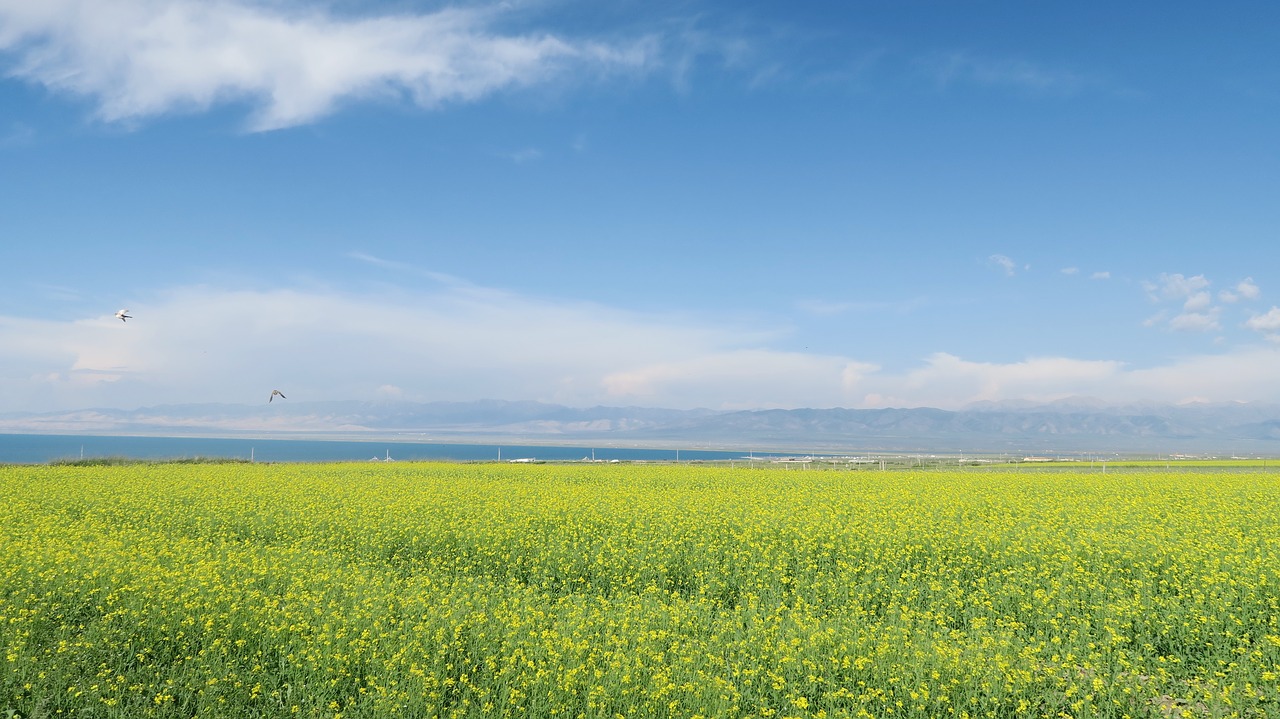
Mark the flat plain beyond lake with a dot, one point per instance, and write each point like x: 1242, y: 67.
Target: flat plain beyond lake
x: 497, y: 590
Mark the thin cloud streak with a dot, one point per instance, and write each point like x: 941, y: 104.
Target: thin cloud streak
x: 138, y: 59
x: 965, y: 67
x: 407, y: 268
x: 825, y: 308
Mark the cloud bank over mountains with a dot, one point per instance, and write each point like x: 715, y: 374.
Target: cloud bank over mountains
x: 452, y: 340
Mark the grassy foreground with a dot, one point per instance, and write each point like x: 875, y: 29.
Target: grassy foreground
x: 438, y: 590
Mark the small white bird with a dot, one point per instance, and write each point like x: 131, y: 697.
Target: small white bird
x: 275, y: 392
x: 123, y: 315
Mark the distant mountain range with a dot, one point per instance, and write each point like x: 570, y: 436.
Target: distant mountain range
x: 1076, y: 425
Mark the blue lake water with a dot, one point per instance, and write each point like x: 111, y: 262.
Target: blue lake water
x: 41, y: 448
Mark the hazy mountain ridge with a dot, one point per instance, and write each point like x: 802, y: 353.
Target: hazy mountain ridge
x: 1079, y: 424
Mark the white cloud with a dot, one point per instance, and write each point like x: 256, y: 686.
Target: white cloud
x: 855, y: 374
x: 1005, y: 264
x: 1269, y: 322
x: 143, y: 58
x: 452, y: 340
x: 1176, y: 287
x: 1070, y: 270
x: 739, y: 379
x: 953, y: 382
x: 1245, y: 289
x: 1197, y: 301
x: 1198, y: 313
x: 1248, y: 290
x: 1195, y: 322
x: 1243, y: 375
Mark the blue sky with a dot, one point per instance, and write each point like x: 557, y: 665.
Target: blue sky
x: 680, y: 204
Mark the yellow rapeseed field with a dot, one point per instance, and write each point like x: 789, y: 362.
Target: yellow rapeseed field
x: 455, y: 590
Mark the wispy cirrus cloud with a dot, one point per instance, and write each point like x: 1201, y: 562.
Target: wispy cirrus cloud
x: 1100, y: 275
x: 137, y: 59
x: 826, y: 308
x: 1003, y: 263
x: 968, y: 68
x: 528, y: 154
x: 823, y: 308
x: 18, y: 134
x: 405, y: 267
x: 56, y: 292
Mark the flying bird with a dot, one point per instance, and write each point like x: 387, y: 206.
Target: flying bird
x: 275, y: 392
x: 124, y: 315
